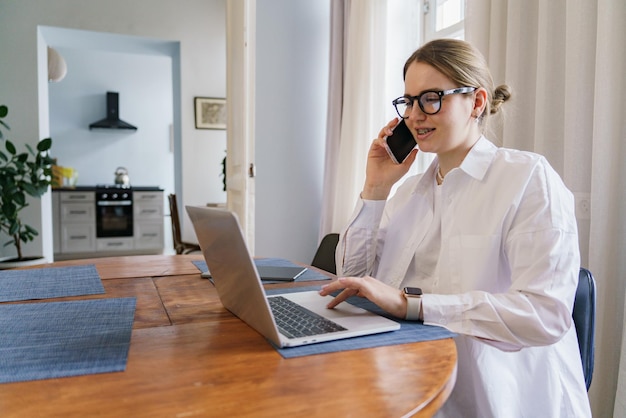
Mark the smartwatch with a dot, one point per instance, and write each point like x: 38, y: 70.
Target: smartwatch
x: 412, y: 292
x: 413, y: 296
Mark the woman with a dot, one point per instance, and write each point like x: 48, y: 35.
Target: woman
x: 487, y: 233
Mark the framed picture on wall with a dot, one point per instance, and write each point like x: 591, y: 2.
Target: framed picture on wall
x: 210, y: 113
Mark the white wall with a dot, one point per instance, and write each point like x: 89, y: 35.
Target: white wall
x: 292, y: 58
x: 199, y: 26
x: 144, y: 84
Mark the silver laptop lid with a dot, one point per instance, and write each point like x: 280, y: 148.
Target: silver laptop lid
x: 221, y: 241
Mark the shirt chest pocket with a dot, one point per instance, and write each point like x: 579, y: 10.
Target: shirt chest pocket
x: 474, y: 262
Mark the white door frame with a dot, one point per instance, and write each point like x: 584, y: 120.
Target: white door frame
x: 240, y: 94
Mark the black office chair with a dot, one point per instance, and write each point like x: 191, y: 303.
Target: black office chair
x: 180, y: 246
x: 584, y: 320
x: 325, y: 255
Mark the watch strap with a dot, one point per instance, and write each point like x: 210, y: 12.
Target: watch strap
x: 413, y: 307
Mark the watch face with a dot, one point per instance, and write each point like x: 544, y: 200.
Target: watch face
x: 413, y: 291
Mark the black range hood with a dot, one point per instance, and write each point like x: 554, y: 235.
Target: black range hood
x: 112, y: 120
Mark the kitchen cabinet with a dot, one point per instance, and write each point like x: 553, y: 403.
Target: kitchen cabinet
x: 148, y: 225
x: 75, y: 225
x: 114, y: 244
x: 77, y: 222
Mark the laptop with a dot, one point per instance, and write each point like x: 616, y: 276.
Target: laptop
x: 240, y: 290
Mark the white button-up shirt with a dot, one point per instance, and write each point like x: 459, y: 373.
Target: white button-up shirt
x: 504, y: 277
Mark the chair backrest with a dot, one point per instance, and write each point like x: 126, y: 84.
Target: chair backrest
x: 325, y: 255
x: 584, y: 313
x: 176, y: 235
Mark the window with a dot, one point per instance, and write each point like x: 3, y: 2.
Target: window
x: 444, y: 19
x: 410, y: 24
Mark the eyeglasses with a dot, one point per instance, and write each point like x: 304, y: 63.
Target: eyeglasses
x: 429, y: 101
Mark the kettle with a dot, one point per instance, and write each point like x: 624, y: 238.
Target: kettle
x: 121, y: 176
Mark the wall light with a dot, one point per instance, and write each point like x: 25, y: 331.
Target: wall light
x: 57, y: 68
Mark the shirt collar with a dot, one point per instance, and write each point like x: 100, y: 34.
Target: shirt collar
x: 475, y: 163
x: 479, y: 158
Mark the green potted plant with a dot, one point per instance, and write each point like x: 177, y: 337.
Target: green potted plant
x: 21, y: 174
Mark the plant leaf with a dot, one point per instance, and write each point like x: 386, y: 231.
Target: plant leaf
x: 13, y: 228
x: 19, y: 198
x: 10, y: 147
x: 31, y: 230
x: 30, y: 189
x: 8, y: 210
x: 44, y: 144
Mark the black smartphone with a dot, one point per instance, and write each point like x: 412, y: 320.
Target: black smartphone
x: 400, y: 143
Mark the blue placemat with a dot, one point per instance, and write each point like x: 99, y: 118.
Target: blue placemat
x: 51, y: 282
x: 307, y: 276
x: 59, y: 339
x: 409, y: 332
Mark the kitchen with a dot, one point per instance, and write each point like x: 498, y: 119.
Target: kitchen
x: 108, y: 220
x: 132, y: 78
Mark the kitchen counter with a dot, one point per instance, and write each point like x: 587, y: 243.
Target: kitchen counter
x: 106, y: 220
x: 75, y: 189
x: 93, y: 188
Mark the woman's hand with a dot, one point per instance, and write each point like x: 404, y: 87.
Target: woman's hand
x: 381, y: 172
x: 386, y: 297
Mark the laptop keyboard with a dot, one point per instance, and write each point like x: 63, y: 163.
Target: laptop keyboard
x: 295, y: 321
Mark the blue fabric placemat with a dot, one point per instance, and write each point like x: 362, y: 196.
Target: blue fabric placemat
x: 307, y: 276
x: 58, y: 339
x: 409, y: 332
x: 51, y: 282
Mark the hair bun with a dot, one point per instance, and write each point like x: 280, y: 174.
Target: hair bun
x: 501, y: 94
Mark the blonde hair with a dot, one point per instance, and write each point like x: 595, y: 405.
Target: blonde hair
x: 464, y: 65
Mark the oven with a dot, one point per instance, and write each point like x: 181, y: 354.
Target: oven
x: 114, y: 212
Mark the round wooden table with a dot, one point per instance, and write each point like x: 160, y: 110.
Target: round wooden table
x: 189, y: 357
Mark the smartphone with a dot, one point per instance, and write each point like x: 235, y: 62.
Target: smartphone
x: 400, y: 143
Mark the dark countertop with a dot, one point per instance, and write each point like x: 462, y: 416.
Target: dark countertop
x: 75, y: 189
x: 93, y: 189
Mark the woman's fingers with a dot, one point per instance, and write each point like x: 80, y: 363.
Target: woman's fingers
x: 350, y: 288
x: 341, y: 297
x: 388, y: 129
x: 388, y: 298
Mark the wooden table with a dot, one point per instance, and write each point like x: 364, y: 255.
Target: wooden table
x: 189, y: 357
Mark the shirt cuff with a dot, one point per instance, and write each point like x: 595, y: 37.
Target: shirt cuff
x: 413, y: 306
x: 368, y: 213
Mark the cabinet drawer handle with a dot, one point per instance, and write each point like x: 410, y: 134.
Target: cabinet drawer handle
x: 78, y: 236
x: 150, y: 235
x: 77, y: 212
x: 149, y: 211
x: 114, y: 244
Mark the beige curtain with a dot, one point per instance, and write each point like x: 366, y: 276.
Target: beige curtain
x: 566, y: 63
x: 333, y: 124
x: 356, y: 105
x: 370, y: 41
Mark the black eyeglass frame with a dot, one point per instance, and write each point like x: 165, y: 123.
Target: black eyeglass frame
x: 412, y: 99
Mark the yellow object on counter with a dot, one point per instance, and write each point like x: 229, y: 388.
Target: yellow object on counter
x: 64, y: 176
